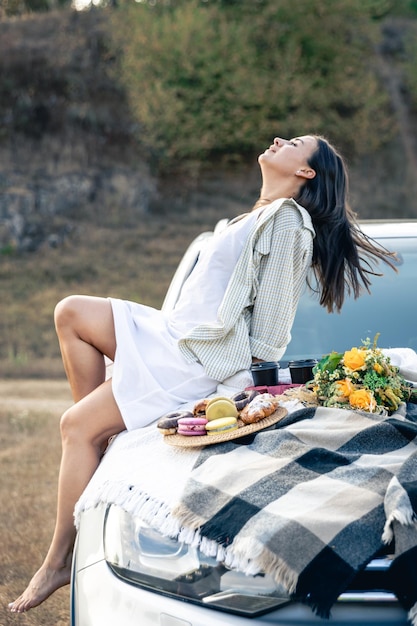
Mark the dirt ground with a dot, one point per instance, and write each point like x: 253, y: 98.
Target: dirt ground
x: 29, y: 458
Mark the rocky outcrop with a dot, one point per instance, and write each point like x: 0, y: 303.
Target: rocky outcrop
x: 41, y: 207
x: 67, y: 151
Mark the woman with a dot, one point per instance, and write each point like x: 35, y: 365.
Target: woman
x: 237, y: 306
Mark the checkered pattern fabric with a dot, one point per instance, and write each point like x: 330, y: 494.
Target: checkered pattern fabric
x: 259, y: 306
x: 311, y: 501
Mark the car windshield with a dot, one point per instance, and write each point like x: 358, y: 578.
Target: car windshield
x: 390, y: 310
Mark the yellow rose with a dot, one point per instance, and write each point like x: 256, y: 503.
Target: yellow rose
x: 378, y: 368
x: 344, y: 388
x: 362, y: 399
x: 354, y: 359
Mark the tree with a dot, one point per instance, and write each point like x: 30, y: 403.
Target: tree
x: 21, y: 7
x: 210, y: 80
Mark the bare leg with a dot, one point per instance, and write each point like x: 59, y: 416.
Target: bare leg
x: 86, y: 333
x: 85, y: 329
x: 84, y: 428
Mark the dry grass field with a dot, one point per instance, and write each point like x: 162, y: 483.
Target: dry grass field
x: 133, y: 261
x: 29, y: 457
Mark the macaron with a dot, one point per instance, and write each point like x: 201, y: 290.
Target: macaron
x: 221, y: 407
x: 191, y: 426
x: 221, y: 425
x: 216, y: 398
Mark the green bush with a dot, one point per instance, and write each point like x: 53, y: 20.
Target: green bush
x: 219, y: 80
x: 410, y: 66
x: 192, y: 84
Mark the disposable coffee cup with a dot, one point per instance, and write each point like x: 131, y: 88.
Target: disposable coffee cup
x: 302, y: 371
x: 265, y: 373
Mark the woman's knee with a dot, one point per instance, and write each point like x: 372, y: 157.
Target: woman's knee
x: 79, y: 426
x: 88, y: 318
x: 67, y: 311
x: 71, y: 428
x: 74, y: 427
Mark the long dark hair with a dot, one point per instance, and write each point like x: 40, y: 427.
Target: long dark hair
x: 343, y: 256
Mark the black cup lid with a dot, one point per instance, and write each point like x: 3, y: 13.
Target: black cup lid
x: 265, y: 365
x: 303, y: 363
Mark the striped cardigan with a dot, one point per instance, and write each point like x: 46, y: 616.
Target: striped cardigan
x: 259, y: 305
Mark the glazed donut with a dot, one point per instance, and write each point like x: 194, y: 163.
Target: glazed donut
x: 167, y: 425
x: 242, y: 398
x: 261, y: 406
x: 200, y: 407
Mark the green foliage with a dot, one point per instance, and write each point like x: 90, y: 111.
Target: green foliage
x: 410, y: 65
x: 22, y: 7
x: 218, y: 80
x: 403, y: 7
x: 186, y: 72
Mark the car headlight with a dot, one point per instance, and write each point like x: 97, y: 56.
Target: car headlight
x: 140, y: 555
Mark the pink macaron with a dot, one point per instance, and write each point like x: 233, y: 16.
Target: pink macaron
x: 190, y: 426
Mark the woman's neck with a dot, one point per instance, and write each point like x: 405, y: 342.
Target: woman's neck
x: 268, y: 197
x: 278, y: 189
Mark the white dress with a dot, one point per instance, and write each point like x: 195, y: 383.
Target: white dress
x: 150, y: 375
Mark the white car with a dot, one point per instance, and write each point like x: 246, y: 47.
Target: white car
x: 157, y: 581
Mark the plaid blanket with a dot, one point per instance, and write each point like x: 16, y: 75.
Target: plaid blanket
x: 311, y: 501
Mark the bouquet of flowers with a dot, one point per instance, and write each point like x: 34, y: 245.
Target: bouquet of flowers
x: 361, y: 378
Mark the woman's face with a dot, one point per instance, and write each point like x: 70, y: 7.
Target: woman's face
x: 289, y: 156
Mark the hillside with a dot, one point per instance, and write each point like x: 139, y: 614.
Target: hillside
x: 80, y: 210
x: 67, y: 148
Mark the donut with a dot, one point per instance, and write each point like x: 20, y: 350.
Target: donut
x: 167, y: 425
x: 261, y: 406
x: 242, y: 398
x: 200, y: 407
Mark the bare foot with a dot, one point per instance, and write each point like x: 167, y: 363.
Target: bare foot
x: 43, y: 584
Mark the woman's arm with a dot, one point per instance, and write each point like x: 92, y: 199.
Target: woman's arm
x: 282, y: 277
